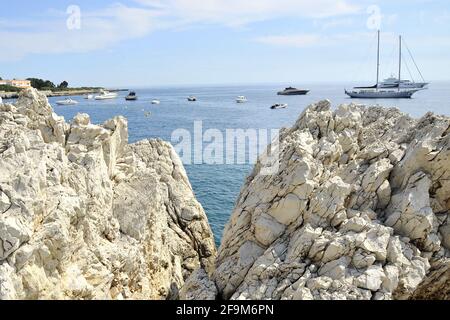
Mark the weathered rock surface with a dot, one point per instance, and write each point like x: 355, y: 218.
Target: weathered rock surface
x: 84, y: 215
x: 357, y: 210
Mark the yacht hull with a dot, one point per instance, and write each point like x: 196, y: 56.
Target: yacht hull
x: 279, y: 106
x: 381, y: 94
x: 66, y: 103
x: 293, y: 93
x: 105, y: 98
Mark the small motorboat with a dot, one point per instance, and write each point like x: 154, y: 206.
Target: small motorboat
x: 192, y: 99
x: 104, y: 95
x: 241, y: 99
x: 89, y: 96
x: 131, y: 96
x: 279, y: 106
x: 66, y: 102
x: 156, y: 101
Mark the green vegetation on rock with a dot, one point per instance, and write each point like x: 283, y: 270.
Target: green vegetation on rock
x: 7, y: 88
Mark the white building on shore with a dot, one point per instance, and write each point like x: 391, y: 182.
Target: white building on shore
x: 16, y: 83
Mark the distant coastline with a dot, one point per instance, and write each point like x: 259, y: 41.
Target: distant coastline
x: 68, y: 92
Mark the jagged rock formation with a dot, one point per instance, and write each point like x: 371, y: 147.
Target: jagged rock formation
x: 84, y: 215
x: 357, y: 210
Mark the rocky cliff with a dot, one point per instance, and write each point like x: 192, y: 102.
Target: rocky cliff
x: 84, y: 215
x: 358, y: 210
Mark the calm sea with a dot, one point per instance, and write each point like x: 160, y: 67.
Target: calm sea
x: 217, y: 186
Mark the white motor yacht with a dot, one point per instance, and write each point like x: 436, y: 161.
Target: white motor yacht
x: 66, y: 102
x: 241, y: 99
x: 104, y: 95
x: 279, y: 106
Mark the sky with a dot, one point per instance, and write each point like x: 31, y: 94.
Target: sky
x: 188, y: 42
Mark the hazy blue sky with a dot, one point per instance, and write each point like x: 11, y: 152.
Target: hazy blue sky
x: 161, y: 42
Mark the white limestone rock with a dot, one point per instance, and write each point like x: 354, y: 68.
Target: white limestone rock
x: 358, y: 210
x: 287, y: 210
x: 198, y: 287
x: 267, y: 229
x: 84, y: 215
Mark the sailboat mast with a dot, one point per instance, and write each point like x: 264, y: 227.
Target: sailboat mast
x: 400, y: 63
x: 378, y: 60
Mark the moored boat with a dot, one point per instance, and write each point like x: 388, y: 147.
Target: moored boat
x: 131, y: 96
x: 66, y: 102
x: 390, y: 88
x: 290, y: 91
x: 89, y: 96
x: 105, y: 95
x: 156, y: 101
x: 192, y: 99
x: 241, y: 99
x: 279, y: 106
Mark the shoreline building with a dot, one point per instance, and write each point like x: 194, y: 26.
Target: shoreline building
x: 23, y: 84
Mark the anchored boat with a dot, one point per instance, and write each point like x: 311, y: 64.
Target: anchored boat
x: 293, y: 92
x: 390, y: 88
x: 131, y: 96
x: 105, y: 95
x: 279, y: 106
x: 66, y: 102
x: 241, y: 99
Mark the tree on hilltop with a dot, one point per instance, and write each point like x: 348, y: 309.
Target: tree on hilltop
x: 63, y: 85
x: 41, y: 84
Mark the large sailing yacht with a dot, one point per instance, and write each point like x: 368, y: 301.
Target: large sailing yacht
x: 394, y: 89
